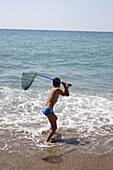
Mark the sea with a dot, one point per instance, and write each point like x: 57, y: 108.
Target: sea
x: 84, y: 59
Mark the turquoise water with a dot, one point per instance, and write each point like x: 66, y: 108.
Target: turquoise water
x: 84, y: 59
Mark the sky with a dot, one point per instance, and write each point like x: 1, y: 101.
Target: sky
x: 76, y: 15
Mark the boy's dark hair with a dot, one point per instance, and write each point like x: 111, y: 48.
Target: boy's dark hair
x: 56, y: 83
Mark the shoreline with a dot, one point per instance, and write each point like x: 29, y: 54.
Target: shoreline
x: 22, y: 153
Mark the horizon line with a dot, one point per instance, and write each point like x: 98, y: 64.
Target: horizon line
x: 65, y: 30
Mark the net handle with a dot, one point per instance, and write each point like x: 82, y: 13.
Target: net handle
x: 49, y: 78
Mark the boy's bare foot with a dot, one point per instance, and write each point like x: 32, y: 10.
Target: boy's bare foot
x: 48, y: 143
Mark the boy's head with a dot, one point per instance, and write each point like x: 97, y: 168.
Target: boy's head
x: 55, y: 83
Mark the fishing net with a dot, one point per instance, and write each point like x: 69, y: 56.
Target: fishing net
x: 27, y: 80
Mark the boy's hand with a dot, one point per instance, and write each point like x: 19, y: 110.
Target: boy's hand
x: 69, y: 85
x: 64, y: 84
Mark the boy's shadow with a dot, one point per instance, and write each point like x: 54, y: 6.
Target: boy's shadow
x: 71, y: 141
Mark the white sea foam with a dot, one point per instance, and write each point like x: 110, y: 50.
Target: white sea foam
x: 86, y: 113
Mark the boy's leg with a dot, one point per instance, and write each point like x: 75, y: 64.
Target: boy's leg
x: 52, y: 119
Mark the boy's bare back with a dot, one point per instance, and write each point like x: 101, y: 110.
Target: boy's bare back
x: 52, y: 98
x: 54, y: 94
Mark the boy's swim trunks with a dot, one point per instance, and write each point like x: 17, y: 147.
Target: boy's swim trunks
x: 47, y: 111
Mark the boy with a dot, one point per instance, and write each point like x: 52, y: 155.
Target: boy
x: 48, y: 107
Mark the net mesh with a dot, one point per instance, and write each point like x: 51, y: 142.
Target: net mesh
x: 27, y: 80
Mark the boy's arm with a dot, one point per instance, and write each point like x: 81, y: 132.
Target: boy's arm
x: 66, y: 91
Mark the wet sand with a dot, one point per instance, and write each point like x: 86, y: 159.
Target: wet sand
x: 41, y: 161
x: 22, y: 154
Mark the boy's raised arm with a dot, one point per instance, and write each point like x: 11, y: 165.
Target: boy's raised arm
x: 66, y: 91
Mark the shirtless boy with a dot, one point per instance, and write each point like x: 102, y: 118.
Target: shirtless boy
x: 48, y: 107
